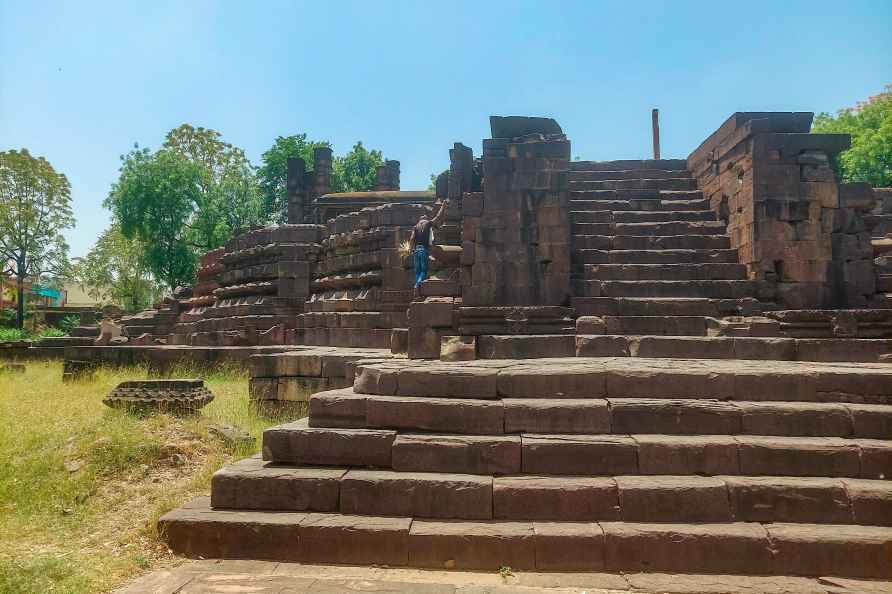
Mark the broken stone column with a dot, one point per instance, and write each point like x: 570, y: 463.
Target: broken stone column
x: 387, y: 176
x: 296, y: 191
x: 321, y: 171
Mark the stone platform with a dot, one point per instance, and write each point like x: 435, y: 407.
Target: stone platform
x: 519, y: 346
x: 577, y: 464
x: 265, y: 577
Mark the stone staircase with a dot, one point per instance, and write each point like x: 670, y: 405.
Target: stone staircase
x: 611, y: 464
x: 649, y: 254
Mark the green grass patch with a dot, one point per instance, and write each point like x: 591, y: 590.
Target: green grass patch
x: 82, y: 485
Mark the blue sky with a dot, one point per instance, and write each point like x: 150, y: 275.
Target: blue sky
x: 80, y: 82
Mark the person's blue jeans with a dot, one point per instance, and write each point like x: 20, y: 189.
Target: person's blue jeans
x: 420, y: 265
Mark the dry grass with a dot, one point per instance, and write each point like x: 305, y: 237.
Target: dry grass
x: 82, y: 486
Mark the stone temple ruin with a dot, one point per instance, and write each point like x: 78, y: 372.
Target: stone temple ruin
x: 675, y: 365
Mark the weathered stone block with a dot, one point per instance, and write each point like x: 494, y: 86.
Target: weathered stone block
x: 458, y: 348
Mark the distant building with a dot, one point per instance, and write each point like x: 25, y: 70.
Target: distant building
x: 77, y: 295
x: 72, y: 294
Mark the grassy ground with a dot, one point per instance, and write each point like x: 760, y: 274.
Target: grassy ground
x: 82, y: 485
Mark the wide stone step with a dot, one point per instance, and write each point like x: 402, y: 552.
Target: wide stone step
x: 441, y: 287
x: 655, y: 256
x: 640, y: 216
x: 633, y: 194
x: 197, y: 530
x: 598, y: 455
x: 344, y: 408
x: 252, y: 484
x: 650, y: 325
x: 593, y: 228
x: 709, y: 289
x: 582, y: 175
x: 634, y: 272
x: 678, y: 338
x: 680, y: 165
x: 670, y: 242
x: 65, y: 341
x: 647, y: 204
x: 662, y: 217
x: 658, y: 306
x: 633, y: 377
x: 670, y: 228
x: 91, y: 331
x: 672, y: 184
x: 853, y: 350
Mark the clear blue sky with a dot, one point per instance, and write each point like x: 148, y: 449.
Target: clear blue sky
x: 80, y: 82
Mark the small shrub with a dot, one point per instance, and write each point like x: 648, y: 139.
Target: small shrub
x: 68, y: 323
x: 7, y: 318
x: 12, y: 334
x: 50, y: 332
x: 141, y: 562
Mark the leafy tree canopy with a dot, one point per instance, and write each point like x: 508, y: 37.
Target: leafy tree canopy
x: 155, y: 201
x: 357, y: 170
x: 273, y: 171
x: 35, y: 208
x: 870, y: 124
x: 114, y: 271
x: 190, y: 196
x: 229, y: 199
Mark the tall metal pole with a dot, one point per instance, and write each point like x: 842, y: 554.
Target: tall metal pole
x: 655, y: 121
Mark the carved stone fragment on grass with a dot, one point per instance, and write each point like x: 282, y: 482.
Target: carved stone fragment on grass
x: 178, y: 396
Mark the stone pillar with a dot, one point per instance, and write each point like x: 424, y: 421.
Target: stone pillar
x: 294, y: 184
x: 387, y: 176
x: 516, y: 232
x: 321, y: 171
x: 461, y: 171
x: 776, y: 186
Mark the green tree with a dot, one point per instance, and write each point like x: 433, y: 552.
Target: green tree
x: 189, y: 197
x: 357, y: 170
x: 155, y: 201
x: 114, y: 271
x: 35, y: 207
x: 273, y: 171
x: 229, y: 198
x: 870, y: 124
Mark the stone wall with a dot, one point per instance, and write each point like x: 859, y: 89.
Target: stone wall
x: 362, y: 284
x: 208, y: 280
x: 795, y: 227
x: 264, y: 284
x: 516, y: 232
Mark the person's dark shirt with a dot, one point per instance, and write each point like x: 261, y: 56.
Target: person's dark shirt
x: 422, y: 233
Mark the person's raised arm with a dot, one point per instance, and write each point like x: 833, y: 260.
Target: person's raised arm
x: 440, y: 215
